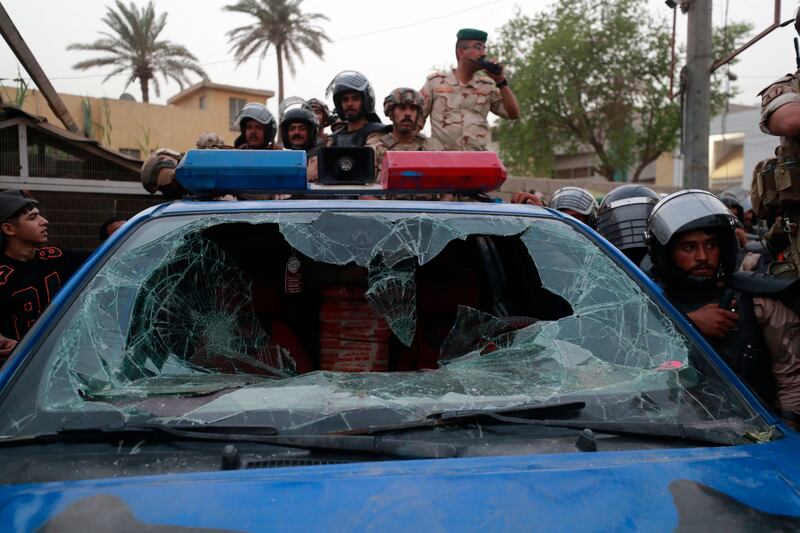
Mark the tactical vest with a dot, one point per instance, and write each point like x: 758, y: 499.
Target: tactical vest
x: 357, y: 138
x: 743, y: 348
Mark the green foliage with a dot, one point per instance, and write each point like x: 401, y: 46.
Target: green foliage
x: 278, y: 23
x: 144, y: 142
x: 592, y: 76
x: 106, y: 121
x: 133, y: 47
x: 88, y: 125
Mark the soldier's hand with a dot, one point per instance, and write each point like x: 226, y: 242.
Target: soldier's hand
x: 523, y: 197
x: 713, y: 321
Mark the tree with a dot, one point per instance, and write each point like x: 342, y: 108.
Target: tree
x: 133, y: 47
x: 281, y: 24
x: 594, y: 74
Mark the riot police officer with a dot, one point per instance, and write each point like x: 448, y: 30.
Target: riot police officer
x: 257, y: 128
x: 354, y: 101
x: 576, y: 202
x: 299, y: 130
x: 622, y: 219
x: 693, y: 246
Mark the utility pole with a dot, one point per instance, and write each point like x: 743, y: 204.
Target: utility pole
x: 34, y: 70
x: 697, y: 111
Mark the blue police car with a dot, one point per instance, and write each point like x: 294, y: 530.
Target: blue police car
x: 351, y: 364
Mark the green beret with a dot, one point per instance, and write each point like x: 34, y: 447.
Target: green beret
x: 469, y: 34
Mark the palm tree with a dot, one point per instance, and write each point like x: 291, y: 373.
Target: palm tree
x: 133, y: 47
x: 279, y: 23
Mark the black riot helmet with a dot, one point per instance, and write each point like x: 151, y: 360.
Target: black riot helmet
x: 622, y: 218
x: 350, y: 80
x: 262, y: 115
x: 690, y: 210
x: 307, y: 117
x: 293, y: 110
x: 575, y: 199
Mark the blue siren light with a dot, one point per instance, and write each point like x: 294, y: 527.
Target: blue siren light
x: 242, y: 171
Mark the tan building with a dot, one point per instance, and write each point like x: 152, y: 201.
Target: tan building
x: 135, y: 128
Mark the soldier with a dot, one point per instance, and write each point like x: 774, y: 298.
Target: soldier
x: 403, y: 107
x: 323, y: 115
x: 354, y: 101
x: 776, y: 183
x: 211, y: 141
x: 459, y: 101
x: 691, y: 238
x: 576, y: 202
x: 257, y: 127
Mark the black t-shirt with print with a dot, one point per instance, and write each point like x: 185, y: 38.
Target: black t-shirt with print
x: 28, y: 287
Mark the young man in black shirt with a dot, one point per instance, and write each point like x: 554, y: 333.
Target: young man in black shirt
x: 31, y: 273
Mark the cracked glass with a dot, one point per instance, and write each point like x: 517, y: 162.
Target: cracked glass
x: 298, y: 318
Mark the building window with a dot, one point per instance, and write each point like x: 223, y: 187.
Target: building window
x: 202, y: 102
x: 235, y: 105
x: 133, y: 152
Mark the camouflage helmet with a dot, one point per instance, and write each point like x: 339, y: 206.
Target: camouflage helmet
x: 402, y: 95
x: 209, y: 140
x: 315, y: 105
x: 158, y: 169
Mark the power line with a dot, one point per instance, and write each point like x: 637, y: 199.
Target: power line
x: 350, y: 38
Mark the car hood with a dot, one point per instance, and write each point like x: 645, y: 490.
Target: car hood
x: 737, y: 488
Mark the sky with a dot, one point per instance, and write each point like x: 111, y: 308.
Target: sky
x: 393, y: 43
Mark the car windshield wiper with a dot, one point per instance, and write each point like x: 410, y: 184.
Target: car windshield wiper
x: 375, y: 445
x: 516, y: 414
x: 540, y: 415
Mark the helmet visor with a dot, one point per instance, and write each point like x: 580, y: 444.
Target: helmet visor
x: 684, y: 211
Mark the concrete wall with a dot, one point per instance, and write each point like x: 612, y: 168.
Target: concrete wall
x: 144, y: 127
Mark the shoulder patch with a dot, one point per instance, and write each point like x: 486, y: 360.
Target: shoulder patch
x: 5, y: 273
x: 786, y: 79
x: 49, y: 252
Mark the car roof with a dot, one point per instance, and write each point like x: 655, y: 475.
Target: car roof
x: 200, y: 207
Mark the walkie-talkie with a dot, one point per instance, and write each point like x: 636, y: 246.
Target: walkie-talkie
x: 494, y: 68
x: 727, y: 299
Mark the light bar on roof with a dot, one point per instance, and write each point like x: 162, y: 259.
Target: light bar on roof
x: 242, y: 171
x: 442, y: 171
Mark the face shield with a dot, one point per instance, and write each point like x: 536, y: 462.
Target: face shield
x: 685, y: 211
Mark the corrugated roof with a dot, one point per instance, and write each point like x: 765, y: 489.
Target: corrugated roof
x: 9, y: 111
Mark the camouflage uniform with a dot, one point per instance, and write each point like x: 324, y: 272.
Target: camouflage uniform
x: 458, y: 111
x: 781, y: 329
x: 776, y: 181
x: 389, y: 142
x: 781, y: 92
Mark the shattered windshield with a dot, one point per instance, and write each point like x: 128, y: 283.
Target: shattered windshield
x: 299, y: 317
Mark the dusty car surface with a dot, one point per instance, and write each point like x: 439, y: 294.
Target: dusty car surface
x: 378, y: 364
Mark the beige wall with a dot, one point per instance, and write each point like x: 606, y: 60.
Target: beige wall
x: 135, y: 125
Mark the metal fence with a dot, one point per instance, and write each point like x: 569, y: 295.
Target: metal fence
x: 75, y: 218
x: 49, y: 157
